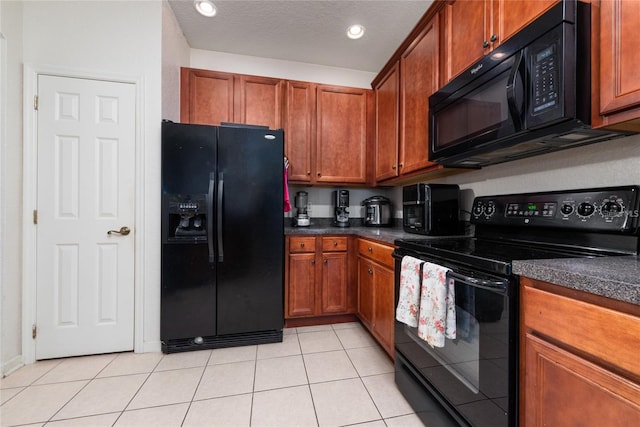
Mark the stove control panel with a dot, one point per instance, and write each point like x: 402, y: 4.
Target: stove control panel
x: 596, y: 209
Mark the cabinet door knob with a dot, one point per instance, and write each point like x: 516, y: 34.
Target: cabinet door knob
x: 485, y: 44
x: 324, y: 261
x: 370, y: 272
x: 308, y: 172
x: 319, y: 174
x: 393, y: 167
x: 313, y: 262
x: 401, y: 165
x: 493, y: 38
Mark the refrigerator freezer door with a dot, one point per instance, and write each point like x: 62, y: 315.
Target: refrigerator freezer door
x: 250, y: 277
x: 188, y: 294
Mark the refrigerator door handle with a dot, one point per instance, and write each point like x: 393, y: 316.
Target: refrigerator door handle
x: 220, y: 241
x: 212, y: 257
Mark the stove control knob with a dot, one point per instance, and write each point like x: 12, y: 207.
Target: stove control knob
x: 490, y: 209
x: 611, y: 209
x: 566, y: 209
x: 478, y: 208
x: 586, y: 209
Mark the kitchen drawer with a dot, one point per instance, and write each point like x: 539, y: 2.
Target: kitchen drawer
x: 300, y: 244
x: 334, y: 244
x: 376, y: 252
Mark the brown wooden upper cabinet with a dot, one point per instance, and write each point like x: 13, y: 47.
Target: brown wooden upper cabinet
x: 472, y: 29
x: 341, y: 134
x: 402, y: 107
x: 619, y: 62
x: 327, y: 132
x: 211, y: 97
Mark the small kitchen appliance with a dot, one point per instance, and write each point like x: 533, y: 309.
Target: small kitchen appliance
x: 340, y: 200
x: 431, y: 209
x: 377, y: 212
x: 302, y: 204
x: 530, y: 96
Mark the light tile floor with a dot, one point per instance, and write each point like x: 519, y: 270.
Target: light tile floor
x: 333, y: 375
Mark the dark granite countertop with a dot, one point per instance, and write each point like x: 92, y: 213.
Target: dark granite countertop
x: 612, y: 277
x: 381, y: 234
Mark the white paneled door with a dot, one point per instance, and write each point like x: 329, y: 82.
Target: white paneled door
x: 85, y: 216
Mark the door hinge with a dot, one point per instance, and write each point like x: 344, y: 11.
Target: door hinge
x: 35, y: 216
x: 35, y: 102
x: 34, y: 332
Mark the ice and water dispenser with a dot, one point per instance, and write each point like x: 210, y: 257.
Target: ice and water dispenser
x: 186, y: 218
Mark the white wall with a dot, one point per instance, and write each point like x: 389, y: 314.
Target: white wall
x: 175, y: 54
x: 11, y: 187
x: 119, y: 39
x: 288, y: 70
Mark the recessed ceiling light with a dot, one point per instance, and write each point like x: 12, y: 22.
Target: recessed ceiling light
x: 355, y: 31
x: 205, y: 7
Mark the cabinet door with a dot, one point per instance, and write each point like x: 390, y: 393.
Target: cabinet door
x: 301, y: 288
x: 341, y: 143
x: 387, y: 120
x: 299, y: 141
x: 206, y: 97
x: 419, y: 68
x: 334, y: 283
x: 619, y: 56
x: 464, y: 34
x: 365, y: 291
x: 562, y: 389
x: 509, y: 16
x: 383, y: 306
x: 259, y: 101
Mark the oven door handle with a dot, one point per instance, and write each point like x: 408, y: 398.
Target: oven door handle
x: 490, y: 284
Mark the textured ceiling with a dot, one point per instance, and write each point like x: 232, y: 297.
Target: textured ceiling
x: 303, y: 30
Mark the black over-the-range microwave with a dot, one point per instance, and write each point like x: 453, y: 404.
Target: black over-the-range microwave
x: 529, y: 96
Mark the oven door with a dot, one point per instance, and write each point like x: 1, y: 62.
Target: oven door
x: 474, y: 376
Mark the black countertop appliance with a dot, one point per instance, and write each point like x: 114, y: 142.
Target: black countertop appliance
x: 222, y: 236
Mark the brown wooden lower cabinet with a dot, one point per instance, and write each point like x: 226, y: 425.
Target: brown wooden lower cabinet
x: 579, y: 359
x: 376, y: 291
x: 318, y: 279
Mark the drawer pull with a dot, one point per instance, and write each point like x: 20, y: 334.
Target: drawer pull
x: 335, y: 244
x: 371, y: 272
x: 370, y: 249
x: 302, y: 245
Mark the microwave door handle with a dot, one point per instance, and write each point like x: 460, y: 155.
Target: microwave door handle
x: 515, y: 91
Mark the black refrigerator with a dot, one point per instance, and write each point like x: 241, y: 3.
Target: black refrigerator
x: 222, y: 236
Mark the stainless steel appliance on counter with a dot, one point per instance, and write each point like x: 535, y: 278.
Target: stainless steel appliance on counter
x: 301, y: 202
x: 340, y: 199
x: 222, y: 269
x: 530, y: 95
x: 431, y: 209
x: 473, y: 379
x: 377, y: 212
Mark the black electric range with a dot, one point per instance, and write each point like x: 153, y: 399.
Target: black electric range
x: 473, y: 379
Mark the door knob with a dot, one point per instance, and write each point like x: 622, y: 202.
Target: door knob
x: 123, y: 231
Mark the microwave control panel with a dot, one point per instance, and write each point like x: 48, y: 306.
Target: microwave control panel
x: 545, y: 78
x: 604, y: 209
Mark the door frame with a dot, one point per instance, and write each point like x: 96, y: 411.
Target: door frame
x: 29, y: 199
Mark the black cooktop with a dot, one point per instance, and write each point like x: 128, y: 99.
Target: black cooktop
x: 529, y: 226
